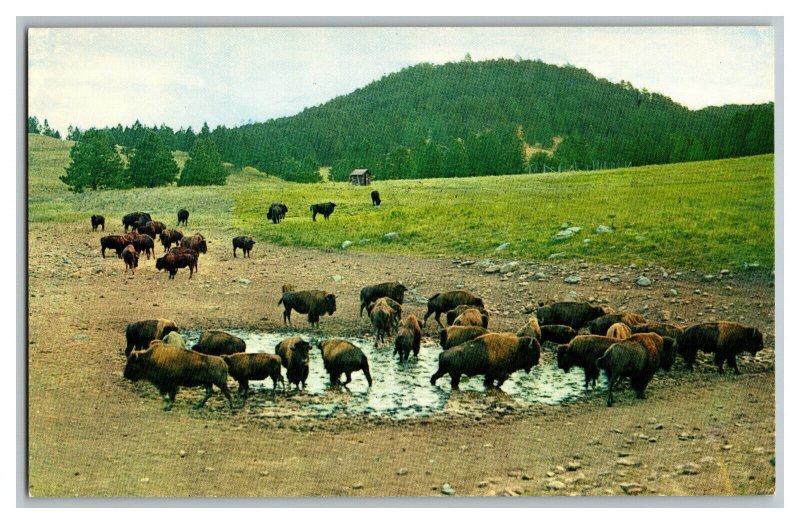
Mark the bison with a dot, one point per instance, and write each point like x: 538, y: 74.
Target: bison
x: 638, y: 358
x: 340, y: 356
x: 325, y: 210
x: 130, y: 258
x: 383, y: 318
x: 293, y: 352
x: 244, y: 367
x: 98, y: 220
x: 457, y: 335
x: 531, y: 329
x: 183, y: 217
x: 115, y: 242
x: 244, y: 243
x: 315, y: 302
x: 444, y: 302
x: 494, y: 355
x: 471, y: 317
x: 583, y: 351
x: 197, y: 242
x: 408, y: 338
x: 277, y: 212
x: 394, y: 290
x: 455, y: 313
x: 168, y: 368
x: 169, y: 237
x: 600, y: 325
x: 173, y: 261
x: 376, y: 198
x: 724, y: 339
x: 148, y: 229
x: 216, y: 342
x: 175, y: 339
x: 619, y: 330
x: 558, y: 333
x: 138, y: 335
x: 144, y: 243
x: 573, y: 314
x: 663, y: 329
x: 134, y: 220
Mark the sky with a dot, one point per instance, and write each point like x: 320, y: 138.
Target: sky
x: 96, y: 77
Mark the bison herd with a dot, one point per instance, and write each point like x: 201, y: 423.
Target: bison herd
x: 594, y: 338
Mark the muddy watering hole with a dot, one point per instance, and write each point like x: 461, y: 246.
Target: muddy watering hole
x: 398, y: 390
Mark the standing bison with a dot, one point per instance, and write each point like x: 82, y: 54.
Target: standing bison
x: 384, y: 314
x: 724, y: 339
x: 600, y: 325
x: 134, y: 220
x: 453, y: 314
x: 130, y: 258
x: 115, y: 242
x: 293, y: 352
x: 573, y: 314
x: 325, y: 210
x: 244, y: 367
x: 340, y: 356
x: 408, y: 338
x: 196, y: 242
x: 169, y: 237
x: 277, y: 212
x: 215, y: 342
x: 244, y: 243
x: 98, y: 220
x: 444, y: 302
x: 394, y: 290
x: 315, y: 303
x: 144, y: 243
x: 531, y: 329
x: 457, y: 335
x: 583, y: 351
x: 183, y: 217
x: 138, y: 335
x: 558, y: 333
x: 376, y: 198
x: 175, y: 260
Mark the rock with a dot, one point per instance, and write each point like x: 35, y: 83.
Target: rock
x: 673, y: 292
x: 631, y: 488
x: 97, y: 270
x: 564, y: 225
x: 726, y: 447
x: 539, y: 276
x: 358, y: 485
x: 337, y: 278
x: 447, y: 489
x: 502, y: 246
x: 555, y: 485
x: 572, y: 295
x: 491, y: 269
x: 66, y: 260
x: 182, y: 453
x: 614, y: 280
x: 264, y: 473
x: 604, y: 229
x: 509, y: 268
x: 244, y: 281
x: 460, y: 285
x: 402, y: 471
x: 708, y: 278
x: 364, y: 240
x: 482, y: 484
x: 80, y: 336
x: 643, y: 281
x: 573, y: 466
x: 346, y: 244
x: 572, y: 279
x: 724, y: 272
x: 688, y: 469
x: 587, y: 240
x: 557, y: 255
x: 628, y: 461
x: 391, y: 236
x: 566, y: 233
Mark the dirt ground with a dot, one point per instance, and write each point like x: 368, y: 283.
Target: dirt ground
x: 94, y: 434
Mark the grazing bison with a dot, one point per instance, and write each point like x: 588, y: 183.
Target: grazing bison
x: 471, y: 317
x: 115, y: 242
x: 148, y: 229
x: 130, y: 258
x: 558, y: 333
x: 531, y: 329
x: 494, y: 355
x: 325, y: 210
x: 244, y: 243
x: 444, y: 302
x: 383, y: 316
x: 197, y: 242
x: 457, y: 335
x: 138, y: 335
x: 315, y: 302
x: 277, y: 212
x: 583, y: 351
x: 600, y: 325
x: 455, y: 313
x: 244, y: 367
x: 216, y: 342
x: 394, y: 290
x: 408, y: 338
x: 638, y: 358
x: 169, y: 368
x: 573, y: 314
x: 183, y: 217
x: 98, y: 220
x: 144, y: 243
x: 169, y: 237
x: 174, y: 339
x: 293, y: 353
x: 724, y: 339
x: 663, y: 329
x: 173, y: 261
x: 395, y: 307
x: 376, y: 198
x: 134, y: 220
x: 340, y: 356
x: 619, y: 330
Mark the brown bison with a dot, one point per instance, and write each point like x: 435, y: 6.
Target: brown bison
x: 196, y: 242
x: 724, y: 339
x: 143, y: 243
x: 277, y: 212
x: 169, y: 237
x: 457, y: 335
x: 315, y: 302
x: 174, y: 339
x: 494, y: 355
x: 244, y: 367
x: 115, y: 242
x: 325, y: 210
x: 134, y: 220
x: 130, y: 258
x: 244, y: 243
x: 216, y: 342
x: 408, y: 338
x: 173, y: 261
x: 293, y: 353
x: 98, y: 220
x: 138, y: 335
x: 619, y: 330
x: 183, y: 217
x: 169, y: 368
x: 573, y: 314
x: 557, y: 333
x: 383, y: 316
x: 149, y: 229
x: 340, y: 356
x: 394, y: 290
x: 531, y: 329
x: 453, y: 314
x: 444, y: 302
x: 638, y: 358
x: 663, y: 329
x: 600, y: 325
x: 583, y: 351
x: 471, y: 317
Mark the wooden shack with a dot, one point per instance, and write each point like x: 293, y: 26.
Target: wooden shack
x: 360, y: 177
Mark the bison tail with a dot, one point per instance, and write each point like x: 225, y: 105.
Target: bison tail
x: 280, y: 301
x: 601, y: 362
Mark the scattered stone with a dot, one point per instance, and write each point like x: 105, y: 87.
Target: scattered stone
x: 557, y: 255
x: 358, y: 485
x: 631, y: 488
x: 587, y: 240
x: 566, y: 233
x: 244, y: 281
x: 526, y: 476
x: 604, y: 229
x: 491, y: 269
x: 673, y: 292
x: 555, y: 485
x: 572, y: 295
x: 391, y: 236
x: 561, y: 469
x: 482, y: 484
x: 346, y: 244
x: 628, y: 461
x: 643, y: 281
x: 144, y: 479
x: 539, y: 276
x: 615, y: 280
x: 402, y: 471
x: 725, y: 272
x: 264, y: 473
x: 573, y: 466
x: 80, y: 336
x: 97, y: 270
x: 66, y: 260
x: 727, y: 447
x: 551, y: 473
x: 502, y: 246
x: 509, y: 268
x: 708, y: 278
x: 447, y: 489
x: 337, y: 278
x: 182, y: 453
x: 572, y: 279
x: 688, y: 469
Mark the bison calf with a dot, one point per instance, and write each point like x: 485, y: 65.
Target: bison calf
x: 573, y: 314
x: 315, y: 303
x: 583, y: 351
x: 557, y: 333
x: 244, y: 367
x: 457, y: 335
x: 98, y: 220
x: 130, y: 258
x: 244, y: 243
x: 138, y: 335
x: 394, y: 290
x: 408, y: 338
x: 340, y: 356
x: 215, y: 342
x: 293, y: 353
x: 444, y: 302
x: 724, y: 339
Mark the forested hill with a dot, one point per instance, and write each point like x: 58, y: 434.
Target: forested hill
x: 492, y: 117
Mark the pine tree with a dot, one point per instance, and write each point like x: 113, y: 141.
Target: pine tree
x: 94, y: 164
x: 151, y: 163
x: 204, y: 167
x: 33, y: 125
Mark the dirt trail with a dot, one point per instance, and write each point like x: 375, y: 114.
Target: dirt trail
x: 92, y: 433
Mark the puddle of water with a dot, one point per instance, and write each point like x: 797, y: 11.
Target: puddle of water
x: 400, y: 390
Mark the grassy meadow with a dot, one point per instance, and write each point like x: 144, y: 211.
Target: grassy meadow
x: 704, y: 215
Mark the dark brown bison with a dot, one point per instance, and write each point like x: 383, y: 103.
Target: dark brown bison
x: 197, y: 242
x: 315, y: 302
x: 244, y: 243
x: 583, y: 351
x: 115, y: 242
x: 453, y: 314
x: 340, y: 356
x: 376, y: 198
x: 173, y: 261
x: 138, y: 335
x: 573, y: 314
x: 444, y: 302
x: 457, y: 335
x: 130, y: 258
x: 638, y: 358
x: 143, y: 243
x: 531, y: 329
x: 148, y: 229
x: 325, y: 210
x: 168, y: 368
x: 394, y: 290
x: 494, y: 355
x: 600, y: 325
x: 408, y: 338
x: 277, y: 212
x: 169, y: 237
x: 293, y: 353
x: 471, y: 317
x: 557, y: 333
x: 98, y: 220
x: 134, y: 220
x: 286, y: 288
x: 216, y: 342
x: 183, y: 217
x: 619, y: 330
x: 244, y: 367
x: 724, y: 339
x: 663, y: 329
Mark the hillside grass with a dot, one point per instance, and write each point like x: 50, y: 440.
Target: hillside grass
x: 703, y: 215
